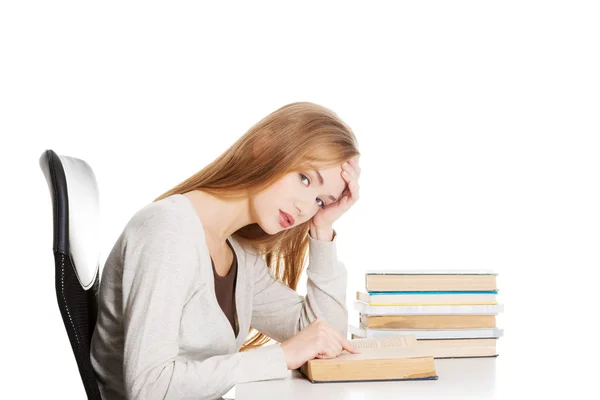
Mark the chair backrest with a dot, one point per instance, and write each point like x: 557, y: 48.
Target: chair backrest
x: 76, y: 211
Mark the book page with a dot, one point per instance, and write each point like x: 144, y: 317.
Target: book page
x: 401, y: 341
x: 383, y: 352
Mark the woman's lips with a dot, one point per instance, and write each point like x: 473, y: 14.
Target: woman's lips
x: 285, y: 219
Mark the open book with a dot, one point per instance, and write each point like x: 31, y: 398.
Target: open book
x: 385, y: 358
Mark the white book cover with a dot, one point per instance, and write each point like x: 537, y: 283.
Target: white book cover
x: 368, y: 309
x: 476, y: 333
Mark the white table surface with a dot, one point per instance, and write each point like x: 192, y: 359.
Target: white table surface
x: 457, y: 379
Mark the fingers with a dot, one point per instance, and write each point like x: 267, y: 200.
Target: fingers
x: 336, y: 343
x: 328, y: 345
x: 351, y: 173
x: 352, y: 166
x: 334, y: 346
x: 353, y: 189
x: 350, y: 347
x: 346, y: 344
x: 354, y: 163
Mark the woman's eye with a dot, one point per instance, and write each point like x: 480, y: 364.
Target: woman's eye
x: 305, y: 177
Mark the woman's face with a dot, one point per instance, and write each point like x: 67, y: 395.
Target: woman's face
x: 299, y: 194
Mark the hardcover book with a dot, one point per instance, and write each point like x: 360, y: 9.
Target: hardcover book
x: 381, y: 359
x: 430, y: 280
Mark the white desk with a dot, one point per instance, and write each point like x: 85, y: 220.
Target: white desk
x: 457, y: 379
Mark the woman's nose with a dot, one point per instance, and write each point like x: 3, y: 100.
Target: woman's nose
x: 304, y: 208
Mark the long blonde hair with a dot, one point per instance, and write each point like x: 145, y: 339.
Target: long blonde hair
x: 293, y: 138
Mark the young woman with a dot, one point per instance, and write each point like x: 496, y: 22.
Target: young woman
x: 196, y: 271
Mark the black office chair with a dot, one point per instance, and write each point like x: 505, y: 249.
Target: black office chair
x: 75, y: 205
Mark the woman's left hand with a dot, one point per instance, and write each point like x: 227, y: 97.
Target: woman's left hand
x: 326, y: 216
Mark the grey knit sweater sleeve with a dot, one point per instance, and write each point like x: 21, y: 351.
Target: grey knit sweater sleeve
x: 159, y: 272
x: 280, y: 312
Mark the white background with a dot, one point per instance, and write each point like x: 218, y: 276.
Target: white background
x: 478, y: 124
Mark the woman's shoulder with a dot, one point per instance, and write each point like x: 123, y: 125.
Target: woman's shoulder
x: 167, y: 214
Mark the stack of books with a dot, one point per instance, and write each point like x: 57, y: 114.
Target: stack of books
x: 452, y: 310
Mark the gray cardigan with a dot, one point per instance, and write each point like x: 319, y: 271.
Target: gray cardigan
x: 161, y: 333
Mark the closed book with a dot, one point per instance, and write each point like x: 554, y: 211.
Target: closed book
x: 487, y: 342
x: 475, y: 333
x: 460, y: 348
x: 427, y: 298
x: 444, y: 347
x: 451, y: 321
x: 366, y: 308
x: 380, y: 359
x: 430, y: 280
